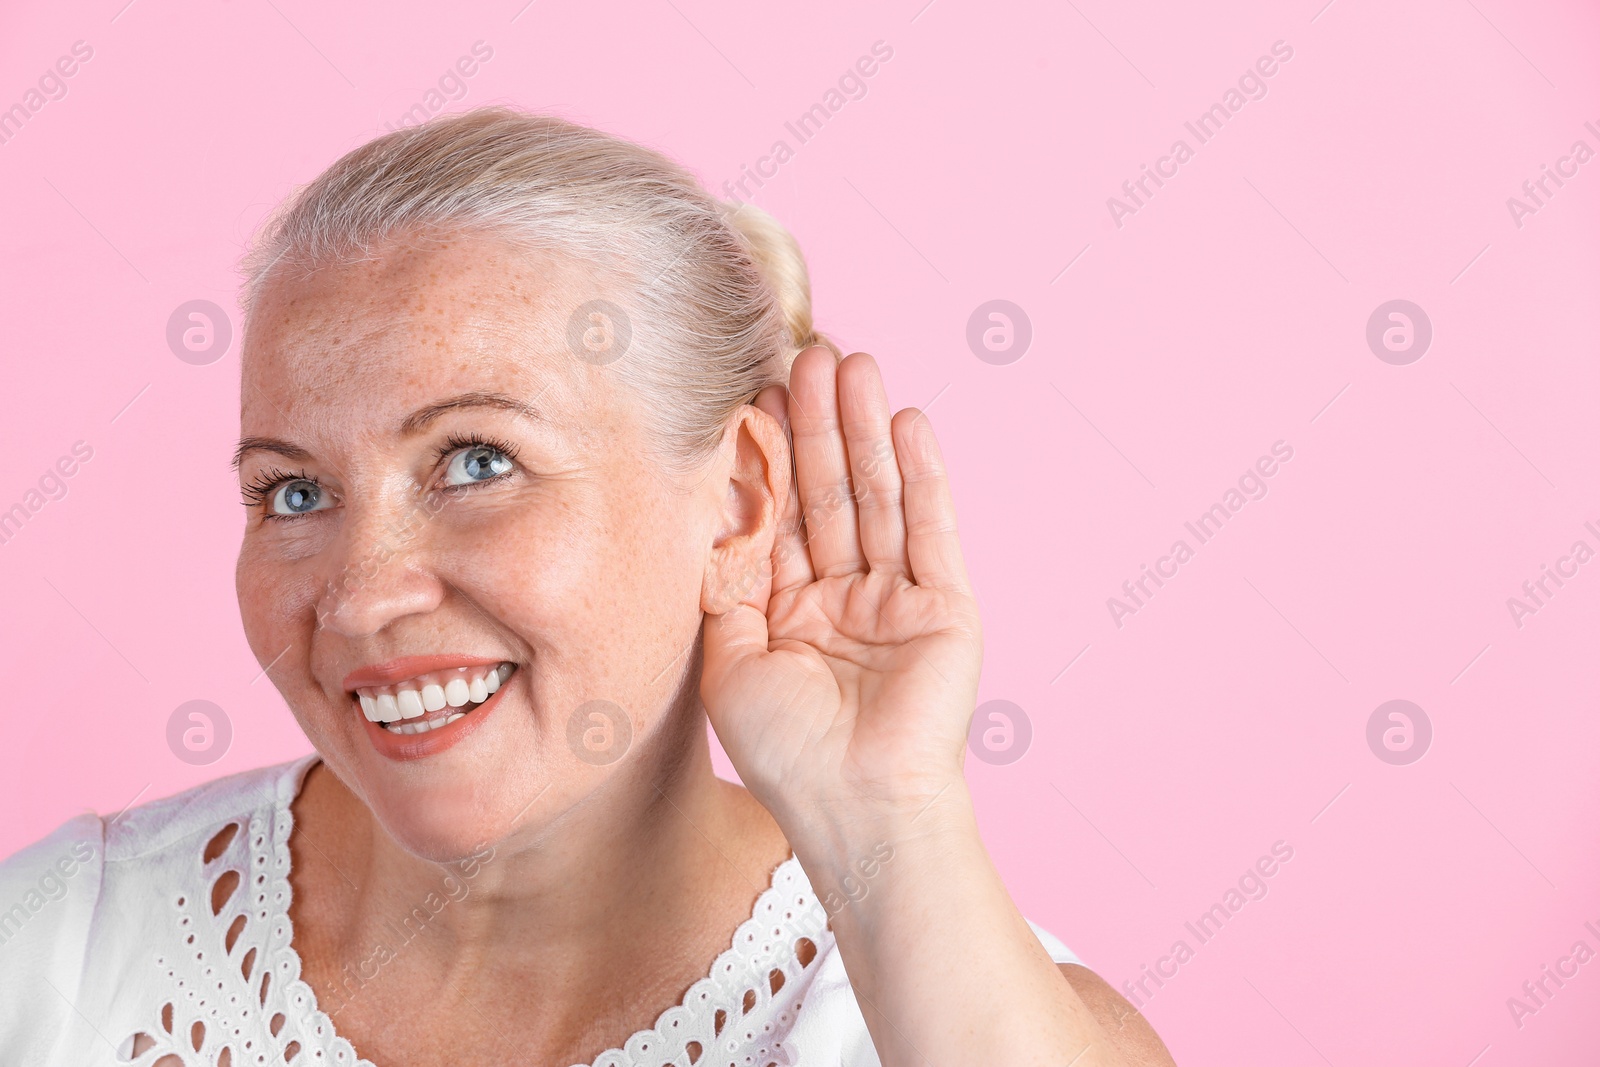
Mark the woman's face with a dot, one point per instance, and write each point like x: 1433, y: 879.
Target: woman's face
x: 444, y: 484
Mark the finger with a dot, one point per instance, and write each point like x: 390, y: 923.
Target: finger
x: 931, y: 541
x: 791, y: 563
x: 864, y: 417
x: 822, y: 465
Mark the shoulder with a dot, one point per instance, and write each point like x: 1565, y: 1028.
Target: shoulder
x: 87, y: 889
x: 60, y: 872
x: 161, y: 825
x: 72, y: 861
x: 48, y: 893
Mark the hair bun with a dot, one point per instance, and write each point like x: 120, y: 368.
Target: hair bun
x: 783, y: 266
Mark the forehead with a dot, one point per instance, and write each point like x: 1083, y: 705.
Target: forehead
x: 418, y: 317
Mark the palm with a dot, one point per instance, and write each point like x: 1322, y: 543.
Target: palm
x: 852, y: 672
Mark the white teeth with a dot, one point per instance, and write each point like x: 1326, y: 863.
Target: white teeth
x: 406, y: 701
x: 410, y: 703
x: 426, y: 725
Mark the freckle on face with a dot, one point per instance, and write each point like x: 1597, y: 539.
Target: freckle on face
x: 586, y: 572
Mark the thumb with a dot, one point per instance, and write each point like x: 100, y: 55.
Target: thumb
x: 733, y: 639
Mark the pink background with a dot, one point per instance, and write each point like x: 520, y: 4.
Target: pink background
x: 1228, y: 313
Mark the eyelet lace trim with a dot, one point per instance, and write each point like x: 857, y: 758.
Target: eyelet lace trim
x: 233, y: 995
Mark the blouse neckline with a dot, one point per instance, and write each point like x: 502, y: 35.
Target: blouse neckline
x: 788, y: 893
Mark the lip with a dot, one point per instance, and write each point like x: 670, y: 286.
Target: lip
x: 406, y: 747
x: 398, y: 670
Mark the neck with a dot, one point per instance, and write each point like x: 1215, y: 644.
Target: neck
x: 653, y: 871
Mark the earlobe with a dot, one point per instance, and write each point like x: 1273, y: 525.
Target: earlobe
x: 739, y: 568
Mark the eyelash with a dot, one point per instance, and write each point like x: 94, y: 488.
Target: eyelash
x: 257, y: 491
x: 456, y: 442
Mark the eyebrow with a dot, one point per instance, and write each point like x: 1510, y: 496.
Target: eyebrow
x: 411, y: 425
x: 248, y: 445
x: 418, y: 420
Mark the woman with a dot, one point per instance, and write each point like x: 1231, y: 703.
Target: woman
x: 523, y: 511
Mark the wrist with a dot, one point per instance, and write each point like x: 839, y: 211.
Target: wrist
x: 848, y: 851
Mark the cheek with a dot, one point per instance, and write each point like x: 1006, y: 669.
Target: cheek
x: 604, y: 586
x: 271, y: 597
x: 533, y: 557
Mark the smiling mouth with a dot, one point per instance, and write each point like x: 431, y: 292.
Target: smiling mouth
x: 431, y: 700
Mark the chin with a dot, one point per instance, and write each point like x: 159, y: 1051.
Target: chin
x: 451, y: 791
x: 431, y: 835
x: 447, y: 817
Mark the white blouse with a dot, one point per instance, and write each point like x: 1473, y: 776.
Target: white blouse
x: 111, y: 928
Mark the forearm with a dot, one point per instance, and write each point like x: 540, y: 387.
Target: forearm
x: 944, y: 966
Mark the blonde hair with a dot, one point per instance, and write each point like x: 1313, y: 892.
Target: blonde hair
x: 719, y: 298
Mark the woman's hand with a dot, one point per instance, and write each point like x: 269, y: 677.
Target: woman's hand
x: 841, y: 686
x: 845, y: 678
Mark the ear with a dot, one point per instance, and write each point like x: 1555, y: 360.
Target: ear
x: 756, y: 455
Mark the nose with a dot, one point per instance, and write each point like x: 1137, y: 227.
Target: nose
x: 380, y: 571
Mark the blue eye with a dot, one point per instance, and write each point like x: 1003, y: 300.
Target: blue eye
x: 298, y: 497
x: 479, y: 463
